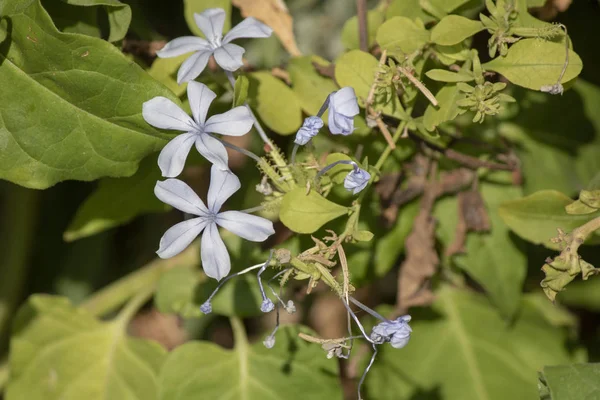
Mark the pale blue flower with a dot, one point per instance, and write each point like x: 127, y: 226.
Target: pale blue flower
x: 396, y: 332
x: 163, y: 113
x: 343, y: 107
x: 214, y: 255
x: 356, y: 180
x: 309, y: 129
x: 227, y: 55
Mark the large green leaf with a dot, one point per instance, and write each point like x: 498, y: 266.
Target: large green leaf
x: 119, y: 15
x: 582, y: 294
x: 402, y: 33
x: 453, y: 29
x: 492, y: 259
x: 465, y: 350
x: 408, y: 8
x: 537, y: 217
x: 117, y: 201
x: 198, y: 6
x: 310, y: 87
x: 61, y: 352
x: 305, y: 213
x: 533, y: 63
x: 72, y: 104
x: 571, y: 382
x: 275, y: 103
x: 350, y: 38
x: 292, y: 369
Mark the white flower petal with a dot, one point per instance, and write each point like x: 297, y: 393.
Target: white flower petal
x: 211, y: 22
x: 222, y: 185
x: 171, y: 159
x: 229, y: 56
x: 215, y: 258
x: 235, y: 122
x: 248, y: 28
x: 345, y: 102
x: 200, y: 97
x: 178, y: 194
x: 213, y: 151
x: 248, y: 226
x: 179, y: 236
x: 182, y: 45
x: 193, y: 66
x: 163, y: 113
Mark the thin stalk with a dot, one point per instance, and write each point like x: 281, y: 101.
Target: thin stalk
x: 257, y: 125
x: 236, y: 148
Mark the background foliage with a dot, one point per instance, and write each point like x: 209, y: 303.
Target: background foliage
x: 86, y: 311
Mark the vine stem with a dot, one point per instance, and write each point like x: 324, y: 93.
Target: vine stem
x: 580, y: 234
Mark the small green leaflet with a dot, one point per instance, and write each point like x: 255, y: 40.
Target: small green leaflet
x: 306, y: 213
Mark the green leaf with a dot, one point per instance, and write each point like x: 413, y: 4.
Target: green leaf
x: 275, y: 103
x: 165, y: 70
x: 119, y: 15
x: 453, y: 29
x: 582, y: 294
x: 572, y: 382
x: 240, y: 90
x: 462, y: 349
x: 61, y: 352
x: 72, y: 104
x: 357, y: 69
x: 408, y: 8
x: 350, y: 38
x: 447, y: 108
x: 306, y: 213
x: 85, y: 20
x: 533, y: 63
x: 293, y: 368
x: 198, y: 6
x: 117, y: 201
x: 492, y: 259
x: 402, y: 33
x: 442, y: 75
x: 536, y: 217
x: 310, y: 87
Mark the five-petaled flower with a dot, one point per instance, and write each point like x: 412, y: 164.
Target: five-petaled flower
x: 163, y: 113
x: 356, y: 180
x: 343, y: 107
x: 214, y: 255
x: 227, y: 55
x: 396, y: 332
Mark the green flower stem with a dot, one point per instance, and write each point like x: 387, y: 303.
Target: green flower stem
x: 579, y: 235
x: 388, y: 150
x: 116, y: 294
x: 17, y: 231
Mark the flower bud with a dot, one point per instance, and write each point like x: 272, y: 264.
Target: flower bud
x: 206, y: 307
x: 396, y: 332
x: 309, y: 129
x: 343, y: 107
x: 267, y: 306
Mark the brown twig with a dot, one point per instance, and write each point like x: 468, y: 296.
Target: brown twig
x: 363, y: 32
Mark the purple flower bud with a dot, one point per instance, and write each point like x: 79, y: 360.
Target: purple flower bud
x: 343, y: 107
x: 396, y: 332
x: 267, y: 306
x: 356, y: 180
x: 206, y: 308
x: 269, y: 342
x: 309, y: 129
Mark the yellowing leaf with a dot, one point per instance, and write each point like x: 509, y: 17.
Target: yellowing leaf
x: 275, y: 14
x: 306, y: 213
x: 533, y: 63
